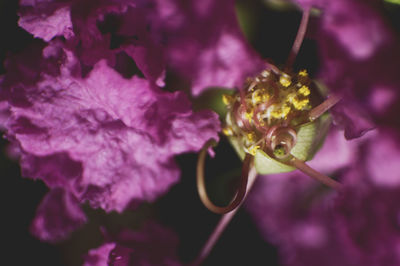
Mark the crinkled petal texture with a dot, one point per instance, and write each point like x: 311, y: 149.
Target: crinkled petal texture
x: 155, y: 34
x: 151, y: 245
x: 106, y: 139
x: 58, y: 215
x: 45, y: 20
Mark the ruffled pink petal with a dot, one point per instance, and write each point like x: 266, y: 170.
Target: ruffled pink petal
x: 57, y: 216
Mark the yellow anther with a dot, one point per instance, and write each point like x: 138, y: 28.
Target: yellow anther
x: 303, y: 73
x: 259, y: 96
x: 227, y: 99
x: 251, y: 136
x: 285, y: 80
x: 281, y: 112
x: 285, y: 111
x: 300, y: 104
x: 249, y: 115
x: 253, y: 150
x: 304, y: 90
x: 227, y: 131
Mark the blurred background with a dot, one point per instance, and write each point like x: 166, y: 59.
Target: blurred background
x: 271, y: 28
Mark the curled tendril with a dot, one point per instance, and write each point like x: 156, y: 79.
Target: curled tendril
x: 201, y: 187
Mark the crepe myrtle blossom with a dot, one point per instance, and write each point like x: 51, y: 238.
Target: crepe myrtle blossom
x: 79, y: 112
x: 313, y: 226
x: 154, y: 34
x: 103, y: 139
x: 150, y: 245
x: 364, y: 98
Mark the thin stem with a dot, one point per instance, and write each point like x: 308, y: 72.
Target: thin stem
x: 302, y: 166
x: 222, y: 224
x: 201, y: 187
x: 299, y: 38
x: 324, y: 106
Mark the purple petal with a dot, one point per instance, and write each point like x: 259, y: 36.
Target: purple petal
x: 99, y: 256
x: 205, y: 45
x: 57, y: 216
x: 352, y: 118
x: 119, y: 134
x: 366, y: 218
x: 382, y: 159
x: 46, y: 20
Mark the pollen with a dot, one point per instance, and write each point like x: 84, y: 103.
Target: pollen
x: 227, y: 131
x: 300, y: 104
x: 253, y: 149
x: 269, y: 99
x: 249, y: 115
x: 303, y: 73
x: 304, y: 90
x: 285, y: 80
x: 259, y: 96
x: 227, y: 99
x: 281, y: 113
x: 251, y: 136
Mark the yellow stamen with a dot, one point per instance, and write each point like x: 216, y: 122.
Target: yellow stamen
x: 227, y: 131
x: 253, y: 150
x: 303, y: 73
x: 285, y: 80
x: 304, y: 90
x: 227, y: 99
x: 300, y: 104
x: 251, y: 136
x: 249, y: 115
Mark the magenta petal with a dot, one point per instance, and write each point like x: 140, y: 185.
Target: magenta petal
x: 99, y: 256
x: 353, y: 119
x: 204, y: 43
x: 119, y: 134
x: 57, y: 216
x: 46, y: 20
x: 382, y: 159
x: 365, y: 219
x: 345, y: 19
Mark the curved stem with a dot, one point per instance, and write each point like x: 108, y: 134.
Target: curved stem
x: 324, y: 106
x: 305, y: 168
x: 201, y: 187
x: 222, y: 224
x: 301, y: 32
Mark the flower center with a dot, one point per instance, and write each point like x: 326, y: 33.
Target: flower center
x: 265, y: 113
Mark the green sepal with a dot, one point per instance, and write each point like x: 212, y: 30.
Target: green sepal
x: 310, y: 138
x: 265, y: 165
